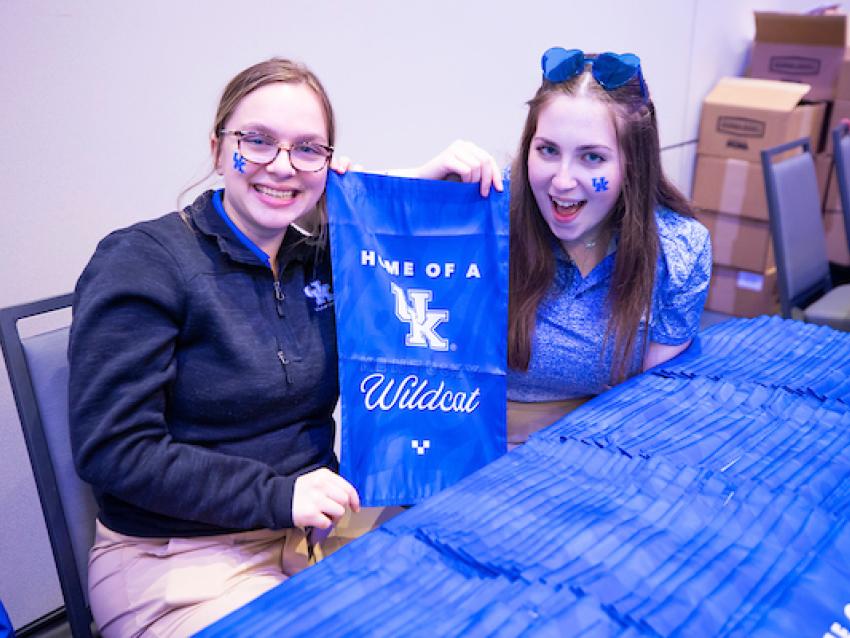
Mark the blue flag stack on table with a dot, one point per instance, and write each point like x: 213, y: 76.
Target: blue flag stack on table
x: 709, y: 496
x: 420, y: 288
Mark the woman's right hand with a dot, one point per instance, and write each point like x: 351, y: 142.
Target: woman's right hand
x: 321, y: 497
x: 466, y: 160
x: 342, y: 164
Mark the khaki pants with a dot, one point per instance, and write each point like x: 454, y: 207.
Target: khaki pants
x: 177, y: 586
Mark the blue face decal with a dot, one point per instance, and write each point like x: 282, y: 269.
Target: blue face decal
x: 600, y: 184
x: 238, y: 161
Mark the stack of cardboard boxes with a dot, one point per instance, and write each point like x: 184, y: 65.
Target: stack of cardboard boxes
x: 740, y: 118
x: 795, y: 63
x: 833, y: 218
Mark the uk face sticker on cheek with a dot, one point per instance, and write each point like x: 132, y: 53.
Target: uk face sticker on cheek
x: 239, y: 162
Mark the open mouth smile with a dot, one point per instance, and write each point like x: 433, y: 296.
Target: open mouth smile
x: 566, y: 210
x: 274, y: 193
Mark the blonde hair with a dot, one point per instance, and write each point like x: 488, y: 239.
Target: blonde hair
x: 314, y: 224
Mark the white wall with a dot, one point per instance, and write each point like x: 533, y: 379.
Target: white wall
x: 107, y: 105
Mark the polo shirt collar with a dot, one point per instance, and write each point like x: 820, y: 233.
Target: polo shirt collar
x: 211, y: 219
x: 600, y: 273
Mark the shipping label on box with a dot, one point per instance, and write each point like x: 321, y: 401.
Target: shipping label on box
x: 731, y: 186
x: 739, y: 242
x: 800, y: 48
x: 743, y: 116
x: 752, y: 281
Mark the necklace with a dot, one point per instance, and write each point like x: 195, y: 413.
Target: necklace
x: 586, y: 257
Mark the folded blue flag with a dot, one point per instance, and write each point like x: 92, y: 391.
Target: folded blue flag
x: 420, y: 289
x: 6, y: 630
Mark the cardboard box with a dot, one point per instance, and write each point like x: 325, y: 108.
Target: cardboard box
x: 731, y: 186
x: 799, y: 48
x: 743, y: 116
x: 742, y: 293
x: 837, y: 250
x: 827, y: 182
x: 842, y: 88
x: 736, y: 187
x: 739, y: 242
x: 840, y: 109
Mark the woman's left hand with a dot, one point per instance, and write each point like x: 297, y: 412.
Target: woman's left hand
x: 466, y: 160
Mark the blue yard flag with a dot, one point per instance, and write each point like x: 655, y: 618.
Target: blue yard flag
x: 420, y: 274
x: 6, y: 630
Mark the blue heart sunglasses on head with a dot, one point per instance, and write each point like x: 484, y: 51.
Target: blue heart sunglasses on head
x: 610, y: 70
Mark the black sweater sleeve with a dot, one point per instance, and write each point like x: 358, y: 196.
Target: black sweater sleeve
x: 128, y: 312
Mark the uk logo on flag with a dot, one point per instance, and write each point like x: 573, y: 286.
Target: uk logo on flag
x: 413, y: 310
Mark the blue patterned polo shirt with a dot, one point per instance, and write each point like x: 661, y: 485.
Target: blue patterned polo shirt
x: 567, y: 358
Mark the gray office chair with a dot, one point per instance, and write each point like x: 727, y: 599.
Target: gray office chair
x: 38, y: 371
x: 796, y: 226
x: 841, y: 148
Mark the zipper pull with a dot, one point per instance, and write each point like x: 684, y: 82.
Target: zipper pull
x: 279, y: 297
x: 284, y: 361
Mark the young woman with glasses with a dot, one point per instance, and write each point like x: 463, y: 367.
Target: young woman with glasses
x: 204, y: 371
x: 609, y: 271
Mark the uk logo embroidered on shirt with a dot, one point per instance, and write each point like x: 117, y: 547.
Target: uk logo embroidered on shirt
x: 320, y: 293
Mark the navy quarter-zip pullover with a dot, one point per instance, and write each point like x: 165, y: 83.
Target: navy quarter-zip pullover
x: 201, y: 387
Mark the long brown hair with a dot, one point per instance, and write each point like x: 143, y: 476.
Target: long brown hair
x: 631, y: 220
x: 259, y: 75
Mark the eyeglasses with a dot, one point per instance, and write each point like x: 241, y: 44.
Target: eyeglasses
x: 258, y: 148
x: 610, y: 70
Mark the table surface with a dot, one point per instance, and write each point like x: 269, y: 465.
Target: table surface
x: 708, y: 497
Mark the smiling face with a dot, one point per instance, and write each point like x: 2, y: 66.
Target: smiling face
x: 263, y: 200
x: 574, y: 167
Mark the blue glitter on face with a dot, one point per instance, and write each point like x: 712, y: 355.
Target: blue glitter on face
x: 239, y: 162
x: 600, y: 184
